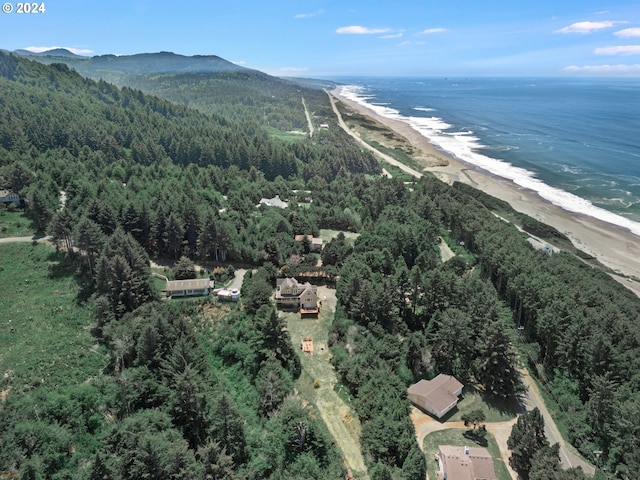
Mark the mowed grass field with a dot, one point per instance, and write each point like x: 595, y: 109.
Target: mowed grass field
x: 45, y: 333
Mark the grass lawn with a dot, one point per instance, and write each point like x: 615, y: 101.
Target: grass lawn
x: 16, y: 224
x: 495, y: 410
x: 327, y: 235
x: 455, y: 437
x: 45, y: 333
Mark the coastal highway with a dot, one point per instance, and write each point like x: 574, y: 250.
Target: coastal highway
x: 376, y: 152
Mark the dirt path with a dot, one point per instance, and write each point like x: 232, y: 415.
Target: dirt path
x: 339, y: 417
x: 24, y: 239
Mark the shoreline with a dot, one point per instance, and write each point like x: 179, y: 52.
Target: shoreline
x: 613, y: 246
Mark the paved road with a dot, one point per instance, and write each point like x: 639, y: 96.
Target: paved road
x: 306, y: 112
x: 533, y: 399
x: 376, y: 152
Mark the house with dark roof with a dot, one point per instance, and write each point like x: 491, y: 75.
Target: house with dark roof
x: 437, y: 396
x: 188, y: 288
x: 291, y: 294
x: 8, y: 197
x: 465, y: 463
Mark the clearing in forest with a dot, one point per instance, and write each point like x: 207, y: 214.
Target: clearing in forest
x: 319, y: 378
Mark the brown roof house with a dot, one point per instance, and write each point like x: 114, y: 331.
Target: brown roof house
x: 464, y: 463
x: 315, y: 243
x: 188, y: 288
x: 290, y: 293
x: 437, y: 396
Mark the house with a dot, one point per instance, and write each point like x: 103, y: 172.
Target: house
x: 188, y: 288
x: 465, y: 463
x: 437, y: 396
x: 228, y: 295
x: 8, y: 197
x: 315, y: 243
x: 273, y: 202
x: 290, y: 293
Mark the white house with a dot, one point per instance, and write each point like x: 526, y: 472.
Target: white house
x: 273, y: 202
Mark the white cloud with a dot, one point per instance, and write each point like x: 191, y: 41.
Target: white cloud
x: 429, y: 31
x: 586, y: 27
x: 77, y: 51
x: 392, y: 35
x: 628, y: 32
x: 607, y: 69
x: 309, y: 15
x: 358, y: 30
x: 619, y: 50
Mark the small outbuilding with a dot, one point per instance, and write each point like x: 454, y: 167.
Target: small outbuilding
x: 437, y: 396
x: 226, y: 295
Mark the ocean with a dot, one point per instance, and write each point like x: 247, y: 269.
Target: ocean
x: 576, y: 142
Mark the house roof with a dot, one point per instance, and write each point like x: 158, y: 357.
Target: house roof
x: 300, y: 288
x: 439, y: 391
x: 178, y: 285
x: 274, y: 202
x: 465, y: 463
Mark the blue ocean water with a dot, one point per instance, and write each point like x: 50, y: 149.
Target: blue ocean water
x: 576, y: 142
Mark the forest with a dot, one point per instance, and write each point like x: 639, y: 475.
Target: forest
x: 177, y: 396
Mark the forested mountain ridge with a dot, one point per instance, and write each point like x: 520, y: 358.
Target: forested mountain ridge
x: 208, y: 83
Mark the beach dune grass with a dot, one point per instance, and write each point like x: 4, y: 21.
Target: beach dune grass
x: 456, y: 437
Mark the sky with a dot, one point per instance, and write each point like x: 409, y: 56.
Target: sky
x: 332, y: 38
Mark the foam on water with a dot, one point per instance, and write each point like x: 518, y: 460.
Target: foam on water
x: 465, y: 146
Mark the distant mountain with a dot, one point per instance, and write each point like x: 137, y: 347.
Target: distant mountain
x: 56, y: 52
x: 141, y: 63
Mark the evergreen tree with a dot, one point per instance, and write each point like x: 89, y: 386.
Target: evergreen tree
x: 184, y: 269
x: 527, y: 437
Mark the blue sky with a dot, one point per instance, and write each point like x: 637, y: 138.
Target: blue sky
x: 325, y: 38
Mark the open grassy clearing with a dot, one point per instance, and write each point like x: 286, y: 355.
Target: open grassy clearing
x: 456, y: 437
x: 318, y: 380
x: 45, y: 334
x: 494, y: 409
x: 16, y: 224
x: 328, y: 235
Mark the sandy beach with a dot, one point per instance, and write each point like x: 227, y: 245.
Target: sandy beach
x: 613, y: 246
